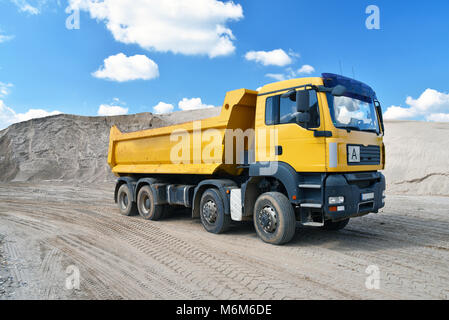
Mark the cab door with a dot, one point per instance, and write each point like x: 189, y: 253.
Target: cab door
x: 296, y: 143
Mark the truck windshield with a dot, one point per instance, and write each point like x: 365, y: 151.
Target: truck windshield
x: 353, y: 113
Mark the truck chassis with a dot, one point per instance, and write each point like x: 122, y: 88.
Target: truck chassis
x: 274, y: 203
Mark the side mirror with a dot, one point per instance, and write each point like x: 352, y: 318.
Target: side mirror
x: 338, y: 90
x: 302, y: 101
x: 379, y: 113
x: 289, y: 95
x: 303, y: 117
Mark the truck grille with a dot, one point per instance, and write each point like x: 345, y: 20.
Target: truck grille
x: 369, y: 155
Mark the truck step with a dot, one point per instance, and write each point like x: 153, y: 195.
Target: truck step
x: 313, y: 224
x: 310, y: 186
x: 311, y: 205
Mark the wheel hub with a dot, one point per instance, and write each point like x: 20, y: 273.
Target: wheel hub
x: 268, y: 219
x: 146, y: 204
x: 124, y: 201
x: 210, y: 211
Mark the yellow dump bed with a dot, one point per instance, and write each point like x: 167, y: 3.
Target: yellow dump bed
x: 175, y: 149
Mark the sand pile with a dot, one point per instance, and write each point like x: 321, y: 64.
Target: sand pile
x: 74, y: 148
x: 417, y: 157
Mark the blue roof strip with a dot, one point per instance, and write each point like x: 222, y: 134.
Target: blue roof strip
x: 354, y: 88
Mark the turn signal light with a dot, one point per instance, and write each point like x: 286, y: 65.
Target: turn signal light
x: 333, y: 209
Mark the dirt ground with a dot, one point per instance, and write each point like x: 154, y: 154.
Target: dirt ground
x: 49, y: 230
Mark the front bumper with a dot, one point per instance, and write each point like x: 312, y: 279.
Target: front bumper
x: 352, y: 186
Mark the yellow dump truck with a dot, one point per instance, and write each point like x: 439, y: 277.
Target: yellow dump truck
x: 306, y: 150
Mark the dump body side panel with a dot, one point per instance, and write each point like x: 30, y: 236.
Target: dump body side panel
x: 190, y: 148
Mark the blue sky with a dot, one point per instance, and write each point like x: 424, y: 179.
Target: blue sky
x: 191, y: 57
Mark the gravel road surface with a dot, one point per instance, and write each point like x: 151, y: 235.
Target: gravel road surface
x: 50, y: 231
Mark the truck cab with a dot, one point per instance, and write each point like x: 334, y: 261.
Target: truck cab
x: 329, y: 146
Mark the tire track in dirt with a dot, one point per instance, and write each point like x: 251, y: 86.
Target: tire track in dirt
x: 128, y: 257
x: 244, y: 272
x: 50, y: 267
x: 17, y: 269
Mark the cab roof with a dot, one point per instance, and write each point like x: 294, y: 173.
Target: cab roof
x: 287, y: 84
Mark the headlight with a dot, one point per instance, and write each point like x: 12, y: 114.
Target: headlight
x: 383, y: 194
x: 336, y: 200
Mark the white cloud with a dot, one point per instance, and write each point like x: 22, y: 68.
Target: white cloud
x: 193, y: 104
x: 122, y: 68
x: 118, y: 101
x: 438, y: 117
x: 430, y: 100
x: 277, y: 57
x: 180, y: 26
x: 163, y: 107
x: 431, y: 105
x: 306, y: 69
x: 8, y: 116
x: 4, y: 38
x: 395, y: 112
x: 110, y: 110
x: 35, y: 113
x: 36, y: 7
x: 290, y: 73
x: 24, y: 6
x: 4, y: 89
x: 276, y: 76
x: 293, y: 54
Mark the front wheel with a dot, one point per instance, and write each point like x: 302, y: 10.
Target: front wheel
x: 274, y: 218
x: 334, y: 226
x: 212, y: 212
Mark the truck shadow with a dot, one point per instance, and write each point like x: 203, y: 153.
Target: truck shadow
x: 178, y: 214
x: 373, y: 233
x: 370, y: 233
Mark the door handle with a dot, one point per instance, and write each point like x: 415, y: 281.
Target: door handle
x: 326, y: 134
x: 278, y: 150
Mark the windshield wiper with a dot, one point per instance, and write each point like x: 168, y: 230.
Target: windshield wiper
x: 349, y: 128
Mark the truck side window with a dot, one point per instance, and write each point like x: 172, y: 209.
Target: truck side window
x: 270, y: 111
x: 314, y: 110
x: 280, y: 110
x: 287, y: 110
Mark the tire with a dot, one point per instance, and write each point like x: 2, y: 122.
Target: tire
x: 274, y: 218
x: 335, y: 226
x: 125, y: 202
x: 145, y: 204
x: 212, y: 212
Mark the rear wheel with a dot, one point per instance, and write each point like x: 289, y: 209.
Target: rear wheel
x: 147, y: 208
x: 334, y: 226
x: 274, y: 218
x: 212, y: 212
x: 125, y: 201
